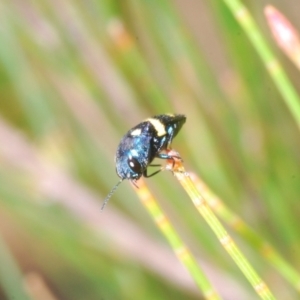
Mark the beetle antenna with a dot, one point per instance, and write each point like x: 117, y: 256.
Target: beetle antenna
x: 110, y: 194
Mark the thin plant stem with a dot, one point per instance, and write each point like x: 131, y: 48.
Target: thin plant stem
x: 178, y: 246
x: 272, y: 65
x: 226, y: 241
x: 254, y: 240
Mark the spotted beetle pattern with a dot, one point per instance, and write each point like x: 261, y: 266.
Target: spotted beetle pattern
x: 147, y: 140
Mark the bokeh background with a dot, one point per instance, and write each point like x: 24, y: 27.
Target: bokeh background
x: 75, y: 75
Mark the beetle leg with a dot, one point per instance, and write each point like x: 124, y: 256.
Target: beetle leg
x: 147, y: 175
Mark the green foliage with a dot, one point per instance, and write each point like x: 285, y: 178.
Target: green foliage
x: 74, y: 77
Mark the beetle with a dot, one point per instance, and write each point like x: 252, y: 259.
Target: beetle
x: 140, y: 145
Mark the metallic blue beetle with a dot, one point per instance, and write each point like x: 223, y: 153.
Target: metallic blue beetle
x: 141, y: 144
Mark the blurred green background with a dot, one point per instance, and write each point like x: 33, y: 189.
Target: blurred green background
x: 75, y: 75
